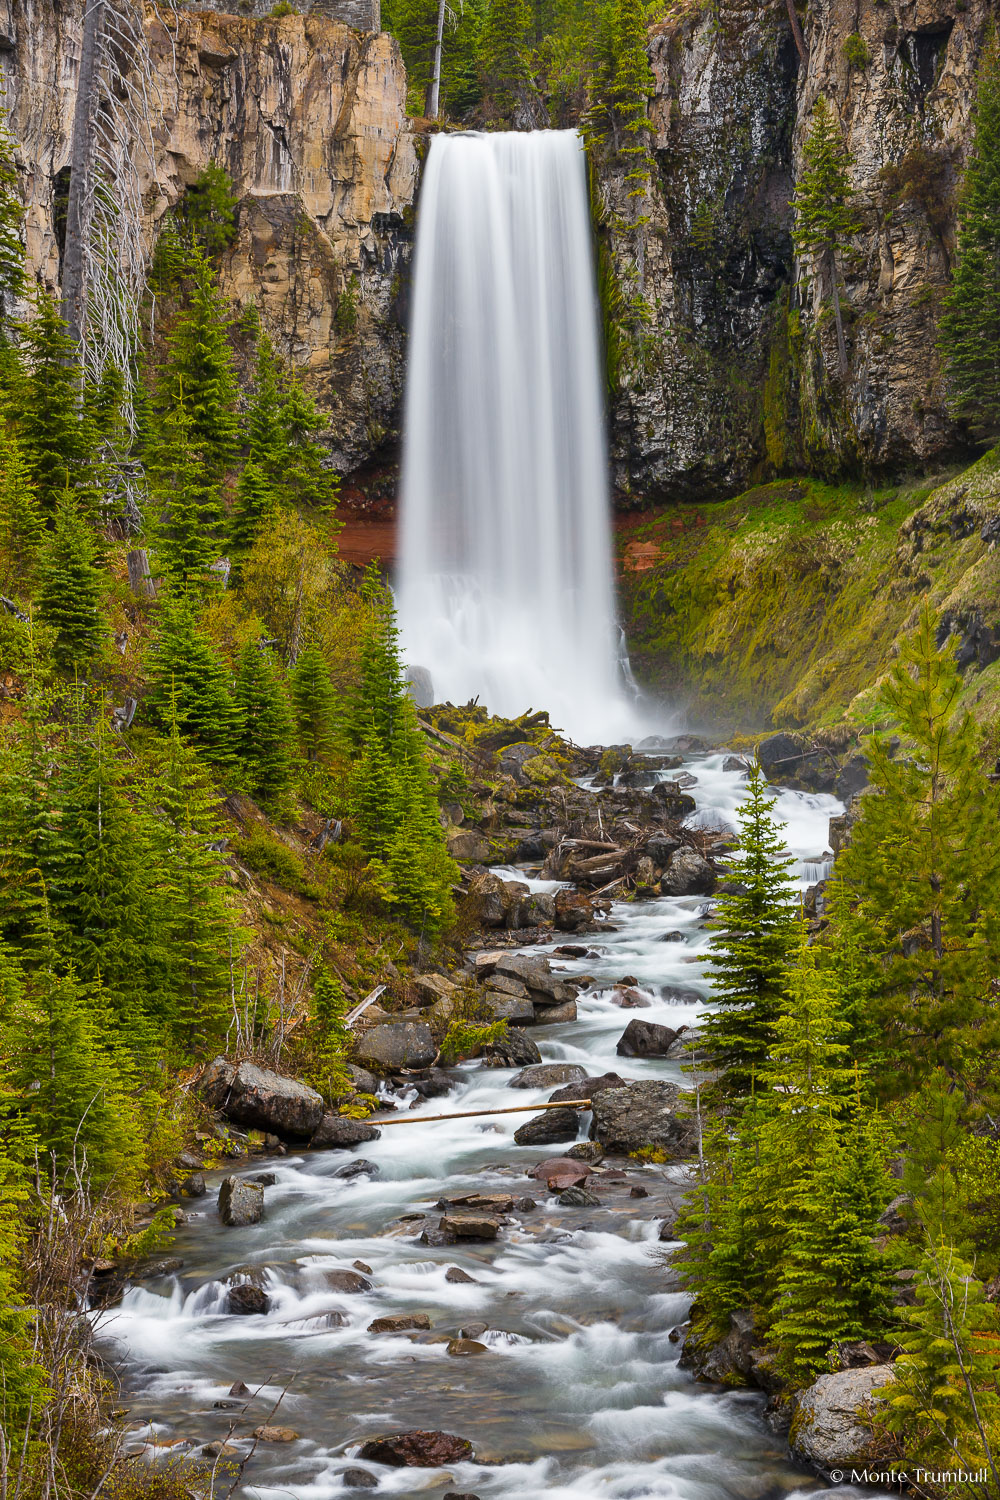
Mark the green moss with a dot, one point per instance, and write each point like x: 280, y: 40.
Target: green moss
x: 780, y: 607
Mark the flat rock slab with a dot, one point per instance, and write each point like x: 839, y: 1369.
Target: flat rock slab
x: 240, y: 1202
x: 544, y: 1075
x: 400, y: 1323
x: 275, y: 1434
x: 463, y: 1347
x: 347, y: 1281
x: 398, y: 1044
x: 469, y: 1226
x: 559, y: 1172
x: 259, y: 1099
x: 341, y: 1131
x: 417, y: 1449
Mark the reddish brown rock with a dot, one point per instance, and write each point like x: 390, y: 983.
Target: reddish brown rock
x: 417, y: 1449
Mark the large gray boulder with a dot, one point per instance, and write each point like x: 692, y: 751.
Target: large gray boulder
x: 646, y: 1039
x: 259, y: 1099
x: 830, y: 1428
x: 515, y: 1050
x: 547, y: 1128
x: 400, y: 1044
x: 641, y: 1114
x: 240, y: 1202
x: 688, y: 874
x: 341, y: 1131
x: 544, y: 1075
x: 535, y: 973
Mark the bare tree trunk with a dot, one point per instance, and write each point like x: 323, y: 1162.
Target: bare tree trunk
x: 800, y: 41
x: 80, y: 209
x: 835, y: 292
x: 139, y: 577
x: 432, y: 109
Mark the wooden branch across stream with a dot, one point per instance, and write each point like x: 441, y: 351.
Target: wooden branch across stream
x: 468, y: 1114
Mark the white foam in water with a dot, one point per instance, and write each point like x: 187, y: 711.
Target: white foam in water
x: 505, y: 588
x: 580, y: 1396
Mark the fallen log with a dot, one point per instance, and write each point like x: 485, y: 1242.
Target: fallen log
x: 468, y: 1114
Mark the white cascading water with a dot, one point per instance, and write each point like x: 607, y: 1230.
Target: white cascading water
x: 505, y: 588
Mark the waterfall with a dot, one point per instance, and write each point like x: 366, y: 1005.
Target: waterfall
x: 505, y: 587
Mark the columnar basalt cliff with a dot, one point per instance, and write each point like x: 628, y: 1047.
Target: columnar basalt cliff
x: 736, y: 375
x: 308, y: 117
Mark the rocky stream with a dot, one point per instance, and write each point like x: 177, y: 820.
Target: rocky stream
x: 523, y: 1330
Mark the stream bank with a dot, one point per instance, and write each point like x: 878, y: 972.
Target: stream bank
x: 552, y: 1349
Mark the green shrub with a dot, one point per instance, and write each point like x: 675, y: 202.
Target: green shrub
x: 856, y: 51
x: 269, y: 856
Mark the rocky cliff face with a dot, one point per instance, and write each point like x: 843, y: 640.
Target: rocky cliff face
x: 736, y: 373
x: 308, y: 117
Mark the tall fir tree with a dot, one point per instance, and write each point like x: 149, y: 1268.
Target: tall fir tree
x: 192, y: 686
x: 253, y: 510
x: 199, y: 375
x: 825, y: 217
x: 268, y: 730
x: 11, y: 219
x: 71, y: 589
x: 924, y: 869
x: 970, y: 327
x: 55, y: 425
x: 756, y: 925
x: 632, y: 87
x: 22, y: 525
x: 314, y: 703
x: 505, y: 53
x: 187, y: 525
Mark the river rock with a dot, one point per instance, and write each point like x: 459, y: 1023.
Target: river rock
x: 498, y: 1007
x: 417, y: 1449
x: 573, y: 911
x: 267, y: 1434
x: 469, y: 1227
x: 359, y: 1168
x: 540, y: 909
x: 688, y: 874
x: 259, y: 1099
x: 341, y: 1130
x: 194, y: 1186
x: 588, y: 1151
x: 358, y: 1479
x: 351, y: 1282
x: 579, y: 1197
x: 645, y: 1039
x: 641, y: 1114
x: 468, y: 846
x: 544, y: 1075
x: 505, y: 984
x: 431, y: 987
x: 669, y: 801
x: 512, y: 1051
x: 457, y: 1276
x: 552, y: 1015
x: 399, y: 1044
x: 534, y: 972
x: 240, y: 1202
x: 399, y: 1323
x: 629, y: 998
x: 550, y: 1126
x: 463, y: 1347
x: 559, y: 1172
x: 246, y: 1301
x: 829, y: 1428
x: 486, y: 897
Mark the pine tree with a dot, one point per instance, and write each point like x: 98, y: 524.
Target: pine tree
x: 943, y: 1402
x: 314, y: 702
x: 822, y: 202
x: 30, y: 832
x: 377, y: 699
x: 253, y: 509
x: 199, y: 930
x: 267, y: 729
x: 756, y: 931
x: 633, y: 86
x: 283, y: 426
x: 187, y: 529
x: 22, y: 526
x: 507, y: 72
x: 924, y: 868
x: 55, y: 427
x: 200, y: 376
x: 420, y: 869
x: 970, y: 327
x: 192, y: 686
x: 71, y: 591
x: 375, y: 798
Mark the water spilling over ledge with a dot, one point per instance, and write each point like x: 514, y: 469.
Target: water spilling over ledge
x: 505, y: 587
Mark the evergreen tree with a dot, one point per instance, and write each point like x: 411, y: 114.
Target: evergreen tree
x: 756, y: 931
x: 970, y: 328
x: 314, y: 703
x: 420, y: 869
x: 206, y: 213
x: 924, y: 867
x: 283, y: 426
x: 199, y: 931
x: 253, y: 509
x: 943, y: 1402
x: 192, y: 686
x: 376, y: 703
x: 632, y: 88
x: 822, y: 202
x: 187, y: 530
x: 71, y: 590
x: 55, y: 428
x: 30, y: 833
x: 200, y: 376
x: 375, y: 798
x: 22, y: 526
x: 11, y: 219
x: 267, y: 729
x: 507, y: 71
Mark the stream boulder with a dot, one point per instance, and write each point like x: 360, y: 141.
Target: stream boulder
x: 417, y: 1449
x: 340, y: 1131
x: 547, y: 1128
x: 544, y: 1075
x: 830, y: 1428
x: 398, y: 1044
x: 245, y: 1300
x: 646, y: 1039
x: 515, y: 1050
x: 688, y: 874
x: 260, y: 1099
x: 640, y: 1114
x: 240, y: 1202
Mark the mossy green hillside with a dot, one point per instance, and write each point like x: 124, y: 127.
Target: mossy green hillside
x: 781, y: 607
